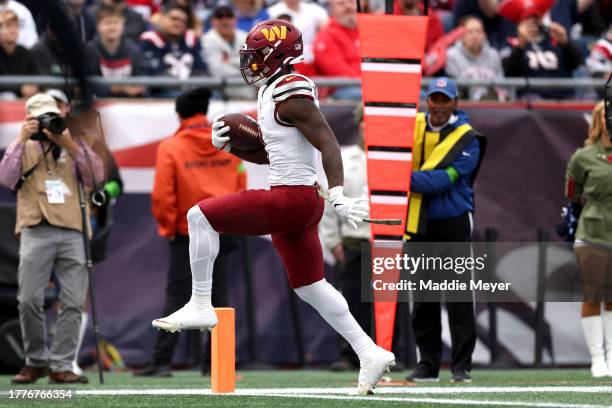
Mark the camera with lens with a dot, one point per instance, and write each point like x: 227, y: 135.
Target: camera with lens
x: 53, y: 122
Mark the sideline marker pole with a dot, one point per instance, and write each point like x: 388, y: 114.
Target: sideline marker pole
x: 223, y: 352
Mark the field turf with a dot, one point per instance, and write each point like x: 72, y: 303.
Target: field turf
x: 315, y: 388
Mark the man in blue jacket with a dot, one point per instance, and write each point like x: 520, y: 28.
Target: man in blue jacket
x: 446, y: 156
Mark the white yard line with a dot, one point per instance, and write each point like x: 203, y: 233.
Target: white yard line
x: 447, y: 401
x: 341, y: 394
x: 346, y: 390
x: 436, y: 390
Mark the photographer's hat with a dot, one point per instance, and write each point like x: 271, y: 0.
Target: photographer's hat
x: 40, y: 104
x: 58, y: 95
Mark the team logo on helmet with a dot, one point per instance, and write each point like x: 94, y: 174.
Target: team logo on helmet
x: 275, y: 32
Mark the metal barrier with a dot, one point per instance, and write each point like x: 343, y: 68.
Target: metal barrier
x: 512, y: 84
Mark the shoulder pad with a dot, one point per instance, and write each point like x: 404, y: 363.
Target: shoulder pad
x: 293, y: 85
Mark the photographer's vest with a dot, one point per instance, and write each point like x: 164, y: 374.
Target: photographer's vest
x: 432, y: 150
x: 32, y: 203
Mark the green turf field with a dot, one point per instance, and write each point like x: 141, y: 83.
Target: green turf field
x: 309, y: 388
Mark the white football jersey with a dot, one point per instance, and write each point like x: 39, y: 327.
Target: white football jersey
x: 293, y: 160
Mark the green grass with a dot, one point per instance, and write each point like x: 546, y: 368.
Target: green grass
x: 279, y: 379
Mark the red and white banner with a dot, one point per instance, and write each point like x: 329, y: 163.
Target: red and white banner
x: 133, y: 129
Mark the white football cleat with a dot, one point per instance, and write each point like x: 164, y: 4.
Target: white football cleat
x: 599, y: 368
x: 373, y: 366
x: 188, y: 317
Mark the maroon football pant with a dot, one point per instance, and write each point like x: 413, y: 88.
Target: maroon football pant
x: 291, y: 214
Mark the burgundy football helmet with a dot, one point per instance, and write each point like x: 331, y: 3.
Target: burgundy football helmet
x: 269, y: 46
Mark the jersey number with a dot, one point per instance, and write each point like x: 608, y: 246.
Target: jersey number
x: 546, y: 60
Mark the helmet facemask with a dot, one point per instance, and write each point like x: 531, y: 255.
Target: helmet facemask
x: 252, y: 66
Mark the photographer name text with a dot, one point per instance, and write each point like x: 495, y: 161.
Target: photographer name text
x: 446, y: 285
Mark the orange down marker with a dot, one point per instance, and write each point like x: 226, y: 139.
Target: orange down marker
x: 223, y: 352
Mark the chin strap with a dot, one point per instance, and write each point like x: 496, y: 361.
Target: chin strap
x: 608, y: 106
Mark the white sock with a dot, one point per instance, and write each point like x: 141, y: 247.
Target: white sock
x: 332, y: 306
x: 203, y: 250
x: 607, y: 328
x: 593, y: 334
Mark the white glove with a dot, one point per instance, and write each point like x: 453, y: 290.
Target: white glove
x: 218, y: 130
x: 352, y: 210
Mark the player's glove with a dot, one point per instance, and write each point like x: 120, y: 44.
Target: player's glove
x: 218, y: 131
x: 352, y: 210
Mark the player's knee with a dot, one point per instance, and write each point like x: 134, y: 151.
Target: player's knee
x: 197, y: 219
x: 308, y: 293
x: 301, y: 294
x: 591, y: 308
x: 321, y: 292
x: 193, y: 214
x: 30, y: 302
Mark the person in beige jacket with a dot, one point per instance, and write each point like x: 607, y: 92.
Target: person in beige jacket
x: 44, y: 173
x: 221, y: 47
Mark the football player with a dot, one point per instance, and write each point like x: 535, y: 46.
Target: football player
x: 295, y: 133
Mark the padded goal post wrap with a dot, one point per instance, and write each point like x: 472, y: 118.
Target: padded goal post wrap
x: 392, y: 49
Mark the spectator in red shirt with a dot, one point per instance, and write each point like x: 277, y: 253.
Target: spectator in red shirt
x: 336, y: 50
x: 435, y: 28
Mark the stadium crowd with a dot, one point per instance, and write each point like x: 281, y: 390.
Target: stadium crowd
x: 476, y: 39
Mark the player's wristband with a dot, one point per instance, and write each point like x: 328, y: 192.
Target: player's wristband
x: 452, y: 174
x: 335, y: 193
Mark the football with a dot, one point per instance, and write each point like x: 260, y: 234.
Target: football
x: 244, y: 132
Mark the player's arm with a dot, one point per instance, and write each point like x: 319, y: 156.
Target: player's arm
x: 302, y: 113
x: 308, y: 119
x: 575, y: 176
x: 258, y: 156
x: 220, y: 140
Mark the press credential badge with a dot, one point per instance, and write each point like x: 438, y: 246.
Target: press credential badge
x: 55, y: 191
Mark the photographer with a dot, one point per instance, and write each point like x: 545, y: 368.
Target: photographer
x: 43, y: 165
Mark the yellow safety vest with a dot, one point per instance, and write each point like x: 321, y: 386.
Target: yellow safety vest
x: 430, y: 151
